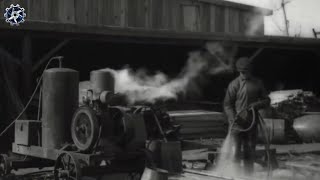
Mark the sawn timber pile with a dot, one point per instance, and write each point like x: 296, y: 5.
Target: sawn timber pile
x: 200, y: 123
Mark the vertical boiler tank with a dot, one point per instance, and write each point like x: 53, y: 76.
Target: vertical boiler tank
x: 102, y: 80
x: 60, y: 99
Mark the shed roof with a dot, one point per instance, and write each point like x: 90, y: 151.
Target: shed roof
x: 58, y: 30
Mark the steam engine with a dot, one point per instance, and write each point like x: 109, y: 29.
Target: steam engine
x: 104, y: 134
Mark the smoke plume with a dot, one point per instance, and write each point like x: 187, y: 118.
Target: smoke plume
x: 141, y: 86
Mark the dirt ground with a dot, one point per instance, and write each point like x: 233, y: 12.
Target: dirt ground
x: 309, y: 169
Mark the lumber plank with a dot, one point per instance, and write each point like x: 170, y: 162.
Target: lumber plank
x: 297, y: 148
x: 193, y: 155
x: 93, y: 12
x: 212, y: 18
x: 212, y: 175
x: 124, y: 13
x: 157, y: 14
x: 226, y: 19
x: 66, y: 11
x: 310, y: 166
x: 53, y: 10
x: 165, y: 14
x: 220, y: 19
x: 81, y: 11
x: 205, y: 17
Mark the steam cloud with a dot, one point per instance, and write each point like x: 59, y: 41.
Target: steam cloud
x: 255, y: 24
x: 139, y: 86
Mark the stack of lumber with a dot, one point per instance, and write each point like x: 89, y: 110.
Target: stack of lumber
x: 197, y: 124
x: 290, y: 104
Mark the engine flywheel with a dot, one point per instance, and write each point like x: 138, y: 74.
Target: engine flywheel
x: 84, y: 128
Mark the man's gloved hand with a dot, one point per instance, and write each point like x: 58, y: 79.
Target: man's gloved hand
x: 239, y: 122
x: 234, y: 127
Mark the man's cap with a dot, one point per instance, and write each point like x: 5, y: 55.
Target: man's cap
x: 243, y: 64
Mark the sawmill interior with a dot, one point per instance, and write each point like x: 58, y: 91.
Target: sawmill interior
x: 135, y: 89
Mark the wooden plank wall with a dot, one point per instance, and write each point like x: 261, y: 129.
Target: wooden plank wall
x: 147, y: 14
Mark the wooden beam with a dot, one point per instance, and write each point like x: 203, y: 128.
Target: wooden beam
x: 49, y: 54
x: 256, y: 54
x: 105, y: 32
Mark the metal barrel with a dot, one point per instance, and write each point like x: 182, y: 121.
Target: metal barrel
x: 60, y: 100
x: 275, y: 129
x: 102, y: 80
x: 308, y: 127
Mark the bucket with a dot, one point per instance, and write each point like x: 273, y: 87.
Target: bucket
x: 154, y: 174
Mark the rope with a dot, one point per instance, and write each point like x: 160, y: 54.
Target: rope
x: 33, y: 94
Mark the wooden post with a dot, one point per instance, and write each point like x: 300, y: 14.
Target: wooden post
x: 26, y: 77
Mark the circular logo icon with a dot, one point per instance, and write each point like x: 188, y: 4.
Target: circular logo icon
x: 15, y: 15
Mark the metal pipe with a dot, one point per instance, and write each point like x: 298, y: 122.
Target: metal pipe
x: 159, y: 126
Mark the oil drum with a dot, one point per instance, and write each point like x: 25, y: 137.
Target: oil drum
x: 275, y: 130
x: 60, y: 94
x: 102, y: 80
x: 308, y: 127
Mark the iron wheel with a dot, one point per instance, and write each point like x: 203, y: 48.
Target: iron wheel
x: 67, y: 168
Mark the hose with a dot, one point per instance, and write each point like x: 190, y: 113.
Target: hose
x: 59, y: 58
x: 267, y: 144
x: 264, y: 130
x: 251, y: 125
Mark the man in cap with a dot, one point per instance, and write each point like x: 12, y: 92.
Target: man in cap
x: 244, y: 92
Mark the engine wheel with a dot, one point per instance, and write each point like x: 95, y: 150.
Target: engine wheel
x: 67, y: 168
x: 84, y: 128
x: 5, y: 168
